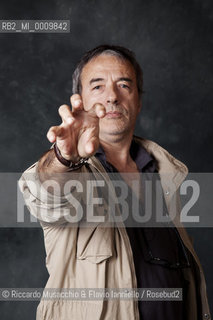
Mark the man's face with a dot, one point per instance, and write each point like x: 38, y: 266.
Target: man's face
x: 111, y: 81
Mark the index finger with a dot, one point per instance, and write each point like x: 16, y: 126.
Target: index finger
x: 76, y: 102
x: 66, y: 114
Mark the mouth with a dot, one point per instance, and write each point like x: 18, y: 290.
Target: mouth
x: 113, y: 114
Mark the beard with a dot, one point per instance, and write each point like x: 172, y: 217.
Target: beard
x: 115, y: 130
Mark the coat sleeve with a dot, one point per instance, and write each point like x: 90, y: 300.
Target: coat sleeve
x: 52, y: 207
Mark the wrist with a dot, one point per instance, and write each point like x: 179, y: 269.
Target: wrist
x: 73, y: 165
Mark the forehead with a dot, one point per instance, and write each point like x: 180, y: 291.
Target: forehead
x: 104, y: 65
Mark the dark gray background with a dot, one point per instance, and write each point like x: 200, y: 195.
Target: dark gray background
x: 173, y: 43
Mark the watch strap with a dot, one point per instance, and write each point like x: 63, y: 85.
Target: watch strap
x: 68, y: 163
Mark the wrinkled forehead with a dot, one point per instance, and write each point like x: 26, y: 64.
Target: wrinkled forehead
x: 105, y: 64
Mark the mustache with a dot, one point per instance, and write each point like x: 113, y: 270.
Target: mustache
x: 115, y: 108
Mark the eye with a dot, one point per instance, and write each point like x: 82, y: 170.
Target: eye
x: 123, y: 85
x: 96, y: 88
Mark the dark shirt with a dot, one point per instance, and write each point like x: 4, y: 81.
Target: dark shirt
x: 163, y: 243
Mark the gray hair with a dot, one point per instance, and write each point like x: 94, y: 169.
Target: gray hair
x: 118, y: 51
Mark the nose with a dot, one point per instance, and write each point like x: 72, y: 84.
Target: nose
x: 112, y: 95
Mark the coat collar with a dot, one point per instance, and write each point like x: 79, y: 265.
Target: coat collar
x: 167, y: 165
x: 170, y: 169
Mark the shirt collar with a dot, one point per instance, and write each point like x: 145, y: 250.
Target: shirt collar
x: 141, y: 157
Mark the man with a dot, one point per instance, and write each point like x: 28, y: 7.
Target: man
x: 96, y: 138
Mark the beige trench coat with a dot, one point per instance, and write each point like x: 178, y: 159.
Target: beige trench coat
x: 100, y: 256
